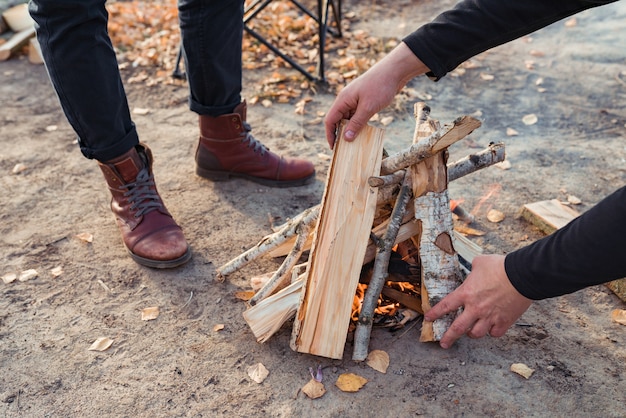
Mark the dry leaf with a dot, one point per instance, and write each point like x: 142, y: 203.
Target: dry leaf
x: 27, y: 275
x: 619, y: 316
x: 101, y: 344
x: 466, y: 230
x: 258, y: 372
x: 495, y: 216
x: 530, y: 119
x: 522, y: 369
x: 18, y: 168
x: 244, y: 295
x: 85, y: 237
x: 511, y: 132
x: 314, y: 389
x: 218, y: 327
x: 378, y: 360
x: 574, y: 200
x: 148, y: 314
x: 350, y: 382
x: 9, y: 278
x: 57, y: 271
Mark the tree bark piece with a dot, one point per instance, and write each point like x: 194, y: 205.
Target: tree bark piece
x: 341, y: 236
x: 440, y: 269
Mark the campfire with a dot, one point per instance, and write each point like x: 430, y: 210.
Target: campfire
x: 381, y: 247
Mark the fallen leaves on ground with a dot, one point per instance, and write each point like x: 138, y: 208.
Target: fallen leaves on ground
x: 314, y: 389
x: 258, y: 372
x: 350, y: 382
x: 378, y: 360
x: 149, y: 314
x: 101, y: 344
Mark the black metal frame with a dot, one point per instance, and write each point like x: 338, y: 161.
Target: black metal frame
x: 323, y: 8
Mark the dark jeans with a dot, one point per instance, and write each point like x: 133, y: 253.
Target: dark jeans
x: 83, y: 68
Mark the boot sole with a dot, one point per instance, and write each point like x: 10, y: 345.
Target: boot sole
x: 225, y: 176
x: 161, y: 264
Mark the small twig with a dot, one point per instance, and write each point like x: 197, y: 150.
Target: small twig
x: 188, y: 300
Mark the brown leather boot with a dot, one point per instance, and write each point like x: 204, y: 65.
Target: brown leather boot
x: 149, y: 232
x: 227, y: 149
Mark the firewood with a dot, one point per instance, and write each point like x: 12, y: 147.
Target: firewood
x: 430, y: 145
x: 381, y: 264
x: 15, y: 43
x: 282, y: 275
x: 268, y: 242
x: 344, y: 224
x: 409, y: 301
x: 440, y: 269
x: 267, y: 316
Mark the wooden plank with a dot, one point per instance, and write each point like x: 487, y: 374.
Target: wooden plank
x: 15, y: 43
x: 341, y: 236
x: 550, y: 215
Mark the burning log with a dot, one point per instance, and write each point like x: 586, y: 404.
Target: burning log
x: 345, y: 222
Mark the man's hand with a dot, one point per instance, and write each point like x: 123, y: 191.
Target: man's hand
x: 490, y: 302
x: 372, y: 92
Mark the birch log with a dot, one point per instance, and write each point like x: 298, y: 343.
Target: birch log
x: 381, y: 267
x: 341, y: 236
x: 440, y: 269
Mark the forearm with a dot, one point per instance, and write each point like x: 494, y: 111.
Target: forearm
x: 474, y: 26
x: 589, y: 250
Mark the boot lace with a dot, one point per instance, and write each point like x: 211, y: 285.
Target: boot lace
x: 142, y: 195
x: 252, y: 142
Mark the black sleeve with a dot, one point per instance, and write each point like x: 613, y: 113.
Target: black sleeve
x: 474, y: 26
x: 589, y: 250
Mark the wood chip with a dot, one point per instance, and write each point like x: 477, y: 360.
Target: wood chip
x: 148, y: 314
x: 101, y: 344
x: 503, y: 165
x: 619, y: 316
x: 495, y: 216
x: 386, y: 120
x: 51, y: 128
x: 314, y: 389
x: 522, y: 369
x: 258, y: 372
x: 571, y: 22
x: 56, y: 271
x: 19, y: 168
x: 141, y: 111
x: 218, y: 327
x: 350, y: 382
x: 486, y: 77
x: 378, y: 360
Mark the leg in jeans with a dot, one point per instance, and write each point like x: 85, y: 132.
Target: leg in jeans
x: 212, y: 32
x: 83, y: 69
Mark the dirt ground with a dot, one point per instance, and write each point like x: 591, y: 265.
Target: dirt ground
x: 178, y: 365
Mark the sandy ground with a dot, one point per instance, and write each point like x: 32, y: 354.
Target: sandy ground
x: 178, y: 365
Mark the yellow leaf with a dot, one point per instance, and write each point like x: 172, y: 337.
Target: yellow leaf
x: 314, y: 389
x: 378, y: 360
x: 350, y: 382
x: 244, y: 295
x: 619, y: 316
x: 149, y: 314
x: 522, y: 369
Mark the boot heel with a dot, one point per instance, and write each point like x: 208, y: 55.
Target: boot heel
x: 212, y: 175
